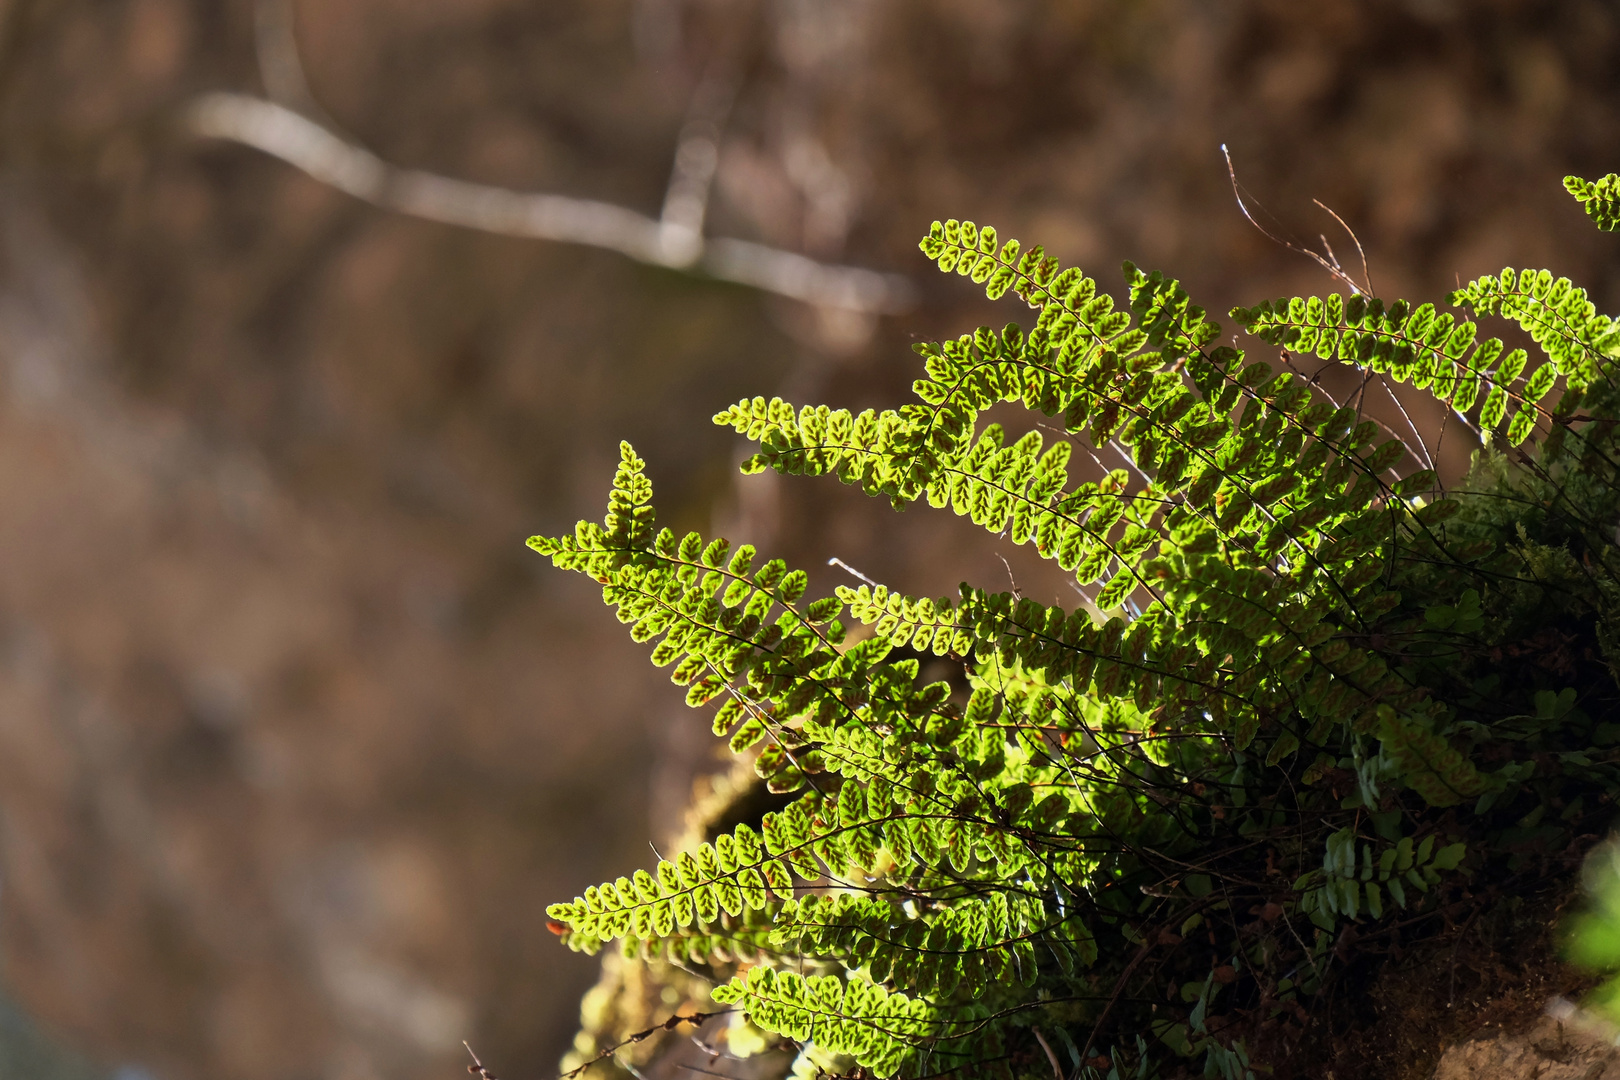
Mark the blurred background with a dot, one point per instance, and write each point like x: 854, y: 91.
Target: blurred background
x: 296, y: 738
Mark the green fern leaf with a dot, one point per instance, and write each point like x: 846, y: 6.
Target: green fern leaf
x: 1600, y: 199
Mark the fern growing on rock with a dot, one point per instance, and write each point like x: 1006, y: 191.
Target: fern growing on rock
x: 1311, y: 697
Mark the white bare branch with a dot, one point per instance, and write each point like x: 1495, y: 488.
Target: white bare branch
x: 292, y: 126
x: 676, y: 242
x: 697, y: 158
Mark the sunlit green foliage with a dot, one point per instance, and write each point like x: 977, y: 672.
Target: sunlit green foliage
x: 1594, y: 937
x: 1307, y: 687
x: 1601, y: 199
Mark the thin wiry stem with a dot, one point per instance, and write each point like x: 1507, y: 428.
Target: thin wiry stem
x: 1417, y: 436
x: 1366, y: 274
x: 848, y: 569
x: 1330, y: 265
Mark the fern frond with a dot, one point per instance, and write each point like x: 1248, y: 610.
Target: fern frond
x: 714, y: 623
x: 1581, y: 344
x: 901, y: 828
x: 1259, y: 485
x: 890, y: 1033
x: 727, y: 941
x: 740, y: 871
x: 1263, y: 624
x: 1250, y: 491
x: 1429, y: 764
x: 1600, y: 199
x: 961, y: 949
x: 1345, y: 886
x: 1433, y: 351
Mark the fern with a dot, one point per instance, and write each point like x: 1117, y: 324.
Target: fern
x: 1289, y: 668
x: 1343, y: 885
x: 1600, y: 199
x: 887, y: 1032
x: 1580, y: 343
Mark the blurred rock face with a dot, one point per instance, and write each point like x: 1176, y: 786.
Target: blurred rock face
x: 296, y: 740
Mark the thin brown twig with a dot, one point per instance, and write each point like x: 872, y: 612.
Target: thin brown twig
x: 1057, y: 1070
x: 701, y: 1071
x: 1016, y: 591
x: 697, y: 1019
x: 1417, y: 435
x: 1366, y: 274
x: 1330, y: 266
x: 477, y: 1067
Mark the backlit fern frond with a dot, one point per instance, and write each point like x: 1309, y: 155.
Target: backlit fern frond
x: 1600, y: 199
x: 962, y: 948
x: 1581, y: 344
x: 890, y: 1033
x: 1433, y: 351
x: 745, y: 639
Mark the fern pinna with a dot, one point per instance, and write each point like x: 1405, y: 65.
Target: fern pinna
x: 1283, y: 711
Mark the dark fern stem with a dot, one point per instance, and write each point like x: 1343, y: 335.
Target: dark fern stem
x: 1312, y: 697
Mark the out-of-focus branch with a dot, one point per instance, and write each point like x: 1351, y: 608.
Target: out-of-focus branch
x: 306, y: 145
x: 676, y: 241
x: 280, y: 66
x: 697, y: 158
